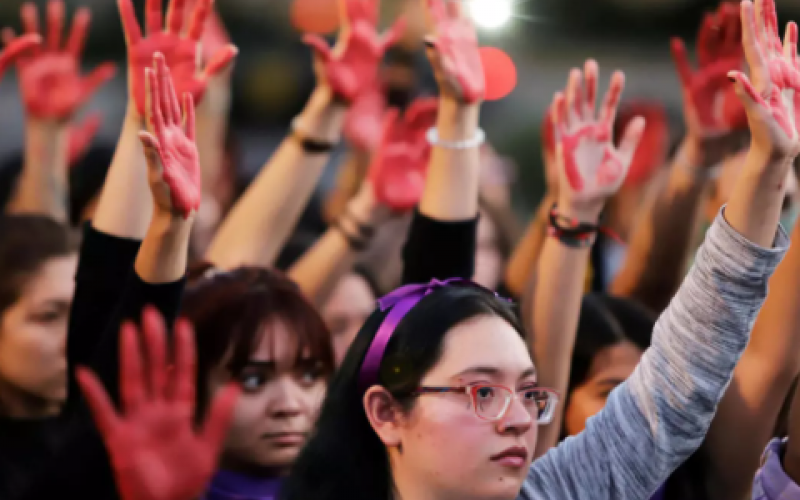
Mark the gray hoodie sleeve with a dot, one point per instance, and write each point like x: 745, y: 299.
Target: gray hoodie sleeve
x: 660, y: 415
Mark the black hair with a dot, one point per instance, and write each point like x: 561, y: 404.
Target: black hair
x: 360, y: 467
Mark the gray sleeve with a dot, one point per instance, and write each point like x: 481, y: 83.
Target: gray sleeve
x: 660, y: 415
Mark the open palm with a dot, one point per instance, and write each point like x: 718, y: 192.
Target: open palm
x: 170, y: 148
x: 592, y: 169
x: 155, y: 451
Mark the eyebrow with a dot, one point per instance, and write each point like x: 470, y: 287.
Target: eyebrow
x: 493, y: 372
x: 254, y: 363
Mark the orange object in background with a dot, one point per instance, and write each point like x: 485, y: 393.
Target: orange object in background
x: 315, y: 16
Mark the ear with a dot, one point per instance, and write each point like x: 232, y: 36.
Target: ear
x: 384, y: 415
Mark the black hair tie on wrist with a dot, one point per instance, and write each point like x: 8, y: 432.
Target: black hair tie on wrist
x: 311, y: 146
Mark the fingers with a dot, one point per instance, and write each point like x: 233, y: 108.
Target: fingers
x: 81, y: 136
x: 197, y: 23
x: 30, y: 18
x: 16, y: 47
x: 152, y: 147
x: 681, y: 59
x: 608, y: 112
x: 175, y: 16
x: 155, y: 343
x: 708, y: 39
x: 185, y: 364
x: 790, y: 44
x: 395, y: 33
x: 77, y: 35
x: 167, y: 97
x: 155, y: 118
x: 574, y: 95
x: 389, y: 118
x: 558, y: 109
x: 422, y: 113
x: 733, y: 27
x: 99, y: 76
x: 189, y: 120
x: 103, y: 412
x: 219, y: 418
x: 130, y: 26
x: 152, y: 16
x: 436, y: 10
x: 752, y: 48
x: 590, y: 71
x: 319, y: 46
x: 630, y: 138
x: 770, y: 21
x: 745, y: 90
x: 221, y: 61
x: 454, y: 8
x: 55, y: 24
x: 131, y: 375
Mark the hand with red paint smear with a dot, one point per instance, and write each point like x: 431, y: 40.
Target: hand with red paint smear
x: 49, y: 78
x: 591, y: 168
x: 771, y: 95
x: 706, y: 91
x: 169, y: 144
x: 81, y: 136
x: 16, y: 48
x: 364, y: 121
x: 398, y: 168
x: 179, y: 43
x: 453, y: 52
x: 352, y: 65
x: 155, y: 450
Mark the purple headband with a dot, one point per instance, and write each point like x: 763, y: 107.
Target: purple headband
x: 400, y: 301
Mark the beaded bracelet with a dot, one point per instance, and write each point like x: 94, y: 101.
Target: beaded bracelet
x: 311, y: 146
x: 571, y: 232
x: 477, y: 140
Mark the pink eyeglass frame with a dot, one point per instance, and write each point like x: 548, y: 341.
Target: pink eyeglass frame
x: 472, y: 392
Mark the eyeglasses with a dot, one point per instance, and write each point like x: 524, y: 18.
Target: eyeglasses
x: 491, y: 402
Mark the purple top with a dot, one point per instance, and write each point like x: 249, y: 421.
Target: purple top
x: 771, y: 482
x: 659, y: 494
x: 228, y: 485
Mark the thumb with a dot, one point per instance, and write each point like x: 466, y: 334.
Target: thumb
x: 152, y: 152
x: 319, y: 46
x: 747, y: 94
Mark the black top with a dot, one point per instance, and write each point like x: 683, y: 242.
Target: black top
x: 81, y: 468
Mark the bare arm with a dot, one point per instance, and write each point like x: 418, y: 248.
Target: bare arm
x: 522, y: 263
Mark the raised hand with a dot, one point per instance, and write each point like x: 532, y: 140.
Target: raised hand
x: 80, y: 137
x: 178, y: 42
x: 16, y: 47
x: 169, y: 144
x: 398, y: 168
x: 772, y: 99
x: 352, y: 65
x: 591, y: 168
x: 50, y: 80
x: 155, y: 450
x: 453, y: 51
x: 709, y: 108
x: 363, y: 124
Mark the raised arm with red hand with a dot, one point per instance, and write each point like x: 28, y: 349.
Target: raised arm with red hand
x: 351, y: 66
x: 178, y: 42
x: 50, y: 80
x: 169, y: 144
x: 155, y: 450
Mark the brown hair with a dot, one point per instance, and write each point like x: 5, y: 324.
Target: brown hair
x: 230, y: 310
x: 27, y: 242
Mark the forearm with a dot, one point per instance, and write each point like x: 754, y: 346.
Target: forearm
x: 125, y: 205
x: 451, y: 187
x: 162, y: 258
x: 526, y: 254
x: 212, y: 128
x: 42, y: 187
x: 351, y: 175
x: 321, y: 267
x: 260, y: 223
x: 652, y: 271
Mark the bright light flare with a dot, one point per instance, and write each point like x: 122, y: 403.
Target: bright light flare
x: 491, y: 14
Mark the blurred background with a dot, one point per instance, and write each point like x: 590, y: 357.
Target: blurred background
x: 544, y: 38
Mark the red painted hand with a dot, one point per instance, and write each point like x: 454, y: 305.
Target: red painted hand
x: 772, y: 100
x: 591, y: 168
x: 178, y: 44
x: 169, y: 144
x: 16, y: 48
x: 49, y: 79
x: 362, y: 127
x: 155, y: 450
x: 707, y: 95
x: 454, y: 51
x: 80, y: 137
x: 352, y: 65
x: 398, y: 168
x: 215, y: 37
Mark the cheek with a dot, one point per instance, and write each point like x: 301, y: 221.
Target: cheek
x: 582, y: 405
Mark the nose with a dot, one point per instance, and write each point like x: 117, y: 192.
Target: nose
x: 286, y: 399
x: 517, y: 420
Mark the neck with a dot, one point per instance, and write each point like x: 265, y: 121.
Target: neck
x: 18, y: 404
x: 407, y: 486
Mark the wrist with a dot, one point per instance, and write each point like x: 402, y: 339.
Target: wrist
x: 323, y: 116
x: 765, y: 165
x: 457, y: 121
x: 583, y: 213
x: 166, y: 223
x: 366, y: 208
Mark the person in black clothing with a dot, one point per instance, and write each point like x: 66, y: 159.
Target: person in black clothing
x: 37, y: 262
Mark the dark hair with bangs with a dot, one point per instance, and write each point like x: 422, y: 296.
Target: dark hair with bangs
x: 230, y: 311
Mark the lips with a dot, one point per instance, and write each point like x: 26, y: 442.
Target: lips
x: 514, y: 457
x: 286, y: 438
